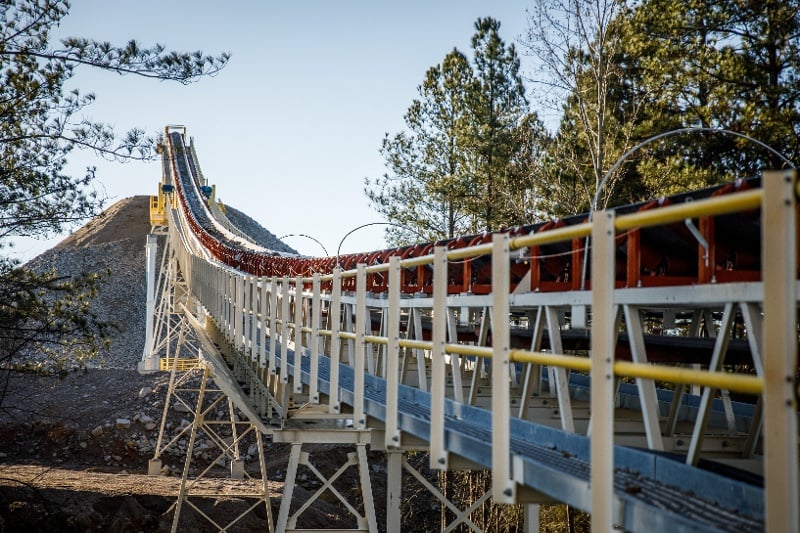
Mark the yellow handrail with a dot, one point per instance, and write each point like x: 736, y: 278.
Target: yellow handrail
x: 180, y: 363
x: 746, y: 384
x: 719, y: 205
x: 741, y: 201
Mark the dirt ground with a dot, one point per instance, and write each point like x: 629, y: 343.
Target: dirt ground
x: 74, y: 452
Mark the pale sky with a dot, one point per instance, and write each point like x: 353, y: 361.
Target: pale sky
x: 291, y: 127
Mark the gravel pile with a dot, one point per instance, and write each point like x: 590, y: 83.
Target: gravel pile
x: 115, y: 240
x: 253, y: 229
x: 121, y: 296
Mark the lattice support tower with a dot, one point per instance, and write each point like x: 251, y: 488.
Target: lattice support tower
x: 215, y: 417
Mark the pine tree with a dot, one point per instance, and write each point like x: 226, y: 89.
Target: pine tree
x: 40, y: 124
x: 466, y: 162
x: 728, y: 65
x: 499, y: 117
x: 424, y: 192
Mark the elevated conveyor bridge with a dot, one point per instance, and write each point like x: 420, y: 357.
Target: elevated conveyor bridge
x: 654, y: 389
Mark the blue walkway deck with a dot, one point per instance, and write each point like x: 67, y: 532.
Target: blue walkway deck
x: 654, y: 492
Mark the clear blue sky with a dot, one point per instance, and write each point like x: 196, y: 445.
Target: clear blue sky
x: 290, y: 129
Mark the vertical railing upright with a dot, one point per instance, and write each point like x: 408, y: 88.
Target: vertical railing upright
x: 226, y: 315
x: 284, y: 374
x: 392, y: 433
x: 247, y: 313
x: 273, y: 323
x: 252, y: 314
x: 359, y: 418
x: 297, y: 377
x: 504, y: 488
x: 231, y: 311
x: 239, y: 312
x: 602, y: 372
x: 336, y: 341
x: 219, y: 287
x: 316, y: 314
x: 779, y: 267
x: 262, y: 336
x: 438, y: 452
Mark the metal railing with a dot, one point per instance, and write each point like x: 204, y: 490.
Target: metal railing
x: 266, y: 318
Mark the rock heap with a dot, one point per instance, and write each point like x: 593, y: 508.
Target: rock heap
x: 115, y: 240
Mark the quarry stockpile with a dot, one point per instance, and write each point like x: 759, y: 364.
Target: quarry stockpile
x: 115, y: 240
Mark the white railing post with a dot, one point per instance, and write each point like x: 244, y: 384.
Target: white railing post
x: 273, y: 323
x: 240, y: 311
x: 316, y: 313
x: 779, y: 266
x: 438, y: 453
x: 602, y: 373
x: 391, y: 432
x: 503, y: 486
x: 285, y: 301
x: 297, y: 378
x: 262, y: 336
x: 226, y: 318
x: 220, y: 293
x: 252, y: 327
x: 246, y: 309
x: 336, y: 341
x: 359, y: 420
x: 232, y: 308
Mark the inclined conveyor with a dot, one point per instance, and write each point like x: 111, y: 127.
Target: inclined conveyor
x: 652, y: 489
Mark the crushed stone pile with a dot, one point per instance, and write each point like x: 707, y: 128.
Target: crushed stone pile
x: 256, y: 231
x: 115, y: 240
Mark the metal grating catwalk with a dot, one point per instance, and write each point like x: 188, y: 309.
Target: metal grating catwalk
x: 646, y: 484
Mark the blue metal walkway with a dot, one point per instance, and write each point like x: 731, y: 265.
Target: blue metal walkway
x: 653, y: 491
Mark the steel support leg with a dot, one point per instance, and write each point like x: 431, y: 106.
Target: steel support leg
x: 394, y: 489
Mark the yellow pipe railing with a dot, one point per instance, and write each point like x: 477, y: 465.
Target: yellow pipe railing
x: 719, y: 205
x: 741, y: 201
x: 746, y: 384
x: 719, y: 380
x: 552, y: 236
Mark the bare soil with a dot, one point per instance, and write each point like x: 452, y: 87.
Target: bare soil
x: 66, y: 463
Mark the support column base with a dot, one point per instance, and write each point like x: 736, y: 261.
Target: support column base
x: 154, y: 467
x: 149, y: 364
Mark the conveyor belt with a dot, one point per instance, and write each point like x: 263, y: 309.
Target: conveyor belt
x: 668, y: 255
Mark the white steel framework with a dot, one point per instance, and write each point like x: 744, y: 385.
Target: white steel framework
x: 307, y: 349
